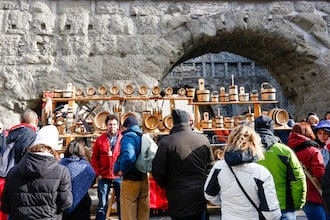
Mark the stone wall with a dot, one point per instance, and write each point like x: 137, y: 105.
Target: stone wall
x: 47, y: 44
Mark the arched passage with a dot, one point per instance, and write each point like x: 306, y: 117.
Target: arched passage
x: 291, y: 55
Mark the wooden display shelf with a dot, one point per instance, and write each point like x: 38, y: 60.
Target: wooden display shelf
x: 233, y: 103
x: 118, y: 98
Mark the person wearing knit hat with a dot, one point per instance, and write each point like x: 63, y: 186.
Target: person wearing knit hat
x: 134, y: 192
x: 130, y: 121
x: 35, y: 179
x: 180, y: 116
x: 183, y: 155
x: 48, y: 135
x: 284, y: 166
x: 322, y: 132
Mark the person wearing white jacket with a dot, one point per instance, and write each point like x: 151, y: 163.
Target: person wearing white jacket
x: 243, y: 149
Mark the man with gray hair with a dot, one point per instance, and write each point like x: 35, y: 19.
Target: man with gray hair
x: 24, y: 133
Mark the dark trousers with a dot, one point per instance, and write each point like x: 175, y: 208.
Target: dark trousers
x: 82, y: 211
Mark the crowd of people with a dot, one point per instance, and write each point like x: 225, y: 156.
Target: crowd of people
x: 255, y: 175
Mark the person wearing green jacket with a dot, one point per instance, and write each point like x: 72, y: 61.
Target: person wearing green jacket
x: 283, y: 164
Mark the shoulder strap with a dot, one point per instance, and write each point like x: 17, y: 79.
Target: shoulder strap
x: 245, y: 193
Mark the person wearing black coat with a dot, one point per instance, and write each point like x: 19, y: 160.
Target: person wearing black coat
x: 38, y: 187
x: 180, y: 166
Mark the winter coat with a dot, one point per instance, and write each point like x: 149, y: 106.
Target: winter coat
x: 289, y: 177
x: 37, y: 188
x: 180, y: 165
x: 23, y: 135
x: 102, y: 163
x: 310, y: 156
x: 82, y: 177
x: 221, y: 188
x: 130, y: 148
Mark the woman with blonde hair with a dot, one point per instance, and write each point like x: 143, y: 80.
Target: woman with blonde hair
x: 240, y: 185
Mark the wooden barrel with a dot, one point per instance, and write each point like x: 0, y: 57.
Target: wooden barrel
x: 279, y: 116
x: 203, y: 95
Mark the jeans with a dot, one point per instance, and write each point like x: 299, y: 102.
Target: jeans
x: 288, y: 215
x: 314, y: 211
x: 103, y: 189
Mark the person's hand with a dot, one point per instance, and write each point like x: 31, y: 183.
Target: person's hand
x: 99, y: 177
x: 119, y: 173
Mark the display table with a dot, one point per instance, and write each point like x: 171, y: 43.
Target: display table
x: 157, y: 196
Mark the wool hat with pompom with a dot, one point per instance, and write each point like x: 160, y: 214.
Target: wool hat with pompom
x: 48, y: 135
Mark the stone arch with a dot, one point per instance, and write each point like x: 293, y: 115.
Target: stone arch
x: 284, y: 45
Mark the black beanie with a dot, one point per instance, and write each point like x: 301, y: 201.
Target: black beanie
x: 130, y: 121
x: 264, y: 122
x: 179, y: 116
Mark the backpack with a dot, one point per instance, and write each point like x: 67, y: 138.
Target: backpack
x: 7, y: 159
x: 148, y: 151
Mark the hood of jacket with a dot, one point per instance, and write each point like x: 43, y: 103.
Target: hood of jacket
x: 268, y: 138
x: 233, y: 158
x: 134, y: 128
x: 34, y: 165
x: 298, y: 141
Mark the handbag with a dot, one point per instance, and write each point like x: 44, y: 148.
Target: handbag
x: 261, y: 216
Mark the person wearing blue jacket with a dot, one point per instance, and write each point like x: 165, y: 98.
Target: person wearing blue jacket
x: 134, y: 192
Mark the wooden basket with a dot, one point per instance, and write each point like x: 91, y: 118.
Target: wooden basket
x: 268, y: 93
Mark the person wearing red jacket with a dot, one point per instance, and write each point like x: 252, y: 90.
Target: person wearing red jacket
x: 301, y: 140
x: 106, y: 150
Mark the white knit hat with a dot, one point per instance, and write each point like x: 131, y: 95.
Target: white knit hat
x: 48, y: 135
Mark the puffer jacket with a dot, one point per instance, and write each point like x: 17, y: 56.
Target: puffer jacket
x: 221, y: 188
x: 310, y: 156
x: 180, y: 165
x: 37, y: 188
x: 130, y: 148
x: 23, y: 135
x: 102, y: 163
x: 289, y: 176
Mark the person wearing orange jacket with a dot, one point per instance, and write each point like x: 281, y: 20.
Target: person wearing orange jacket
x: 106, y: 150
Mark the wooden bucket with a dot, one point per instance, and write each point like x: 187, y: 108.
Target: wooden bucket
x: 206, y: 123
x: 224, y: 97
x: 191, y: 92
x: 268, y: 93
x: 229, y: 122
x: 217, y: 122
x: 203, y: 95
x: 215, y: 96
x: 279, y: 116
x: 254, y: 95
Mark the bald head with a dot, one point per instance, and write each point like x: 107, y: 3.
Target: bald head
x: 29, y: 117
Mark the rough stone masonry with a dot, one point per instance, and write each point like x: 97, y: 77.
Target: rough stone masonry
x: 47, y: 44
